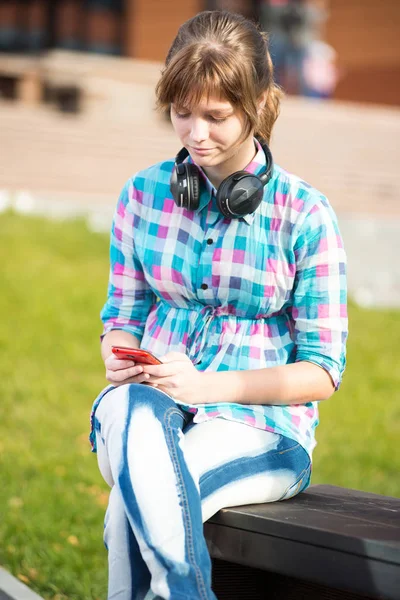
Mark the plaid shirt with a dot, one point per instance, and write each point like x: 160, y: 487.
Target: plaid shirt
x: 264, y: 290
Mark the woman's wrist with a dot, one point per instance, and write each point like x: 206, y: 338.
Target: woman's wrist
x: 223, y: 386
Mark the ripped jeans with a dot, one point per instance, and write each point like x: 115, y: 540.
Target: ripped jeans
x: 168, y: 476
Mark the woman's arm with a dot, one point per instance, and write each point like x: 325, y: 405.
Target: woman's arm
x: 318, y: 310
x: 296, y: 383
x: 129, y: 297
x: 319, y: 324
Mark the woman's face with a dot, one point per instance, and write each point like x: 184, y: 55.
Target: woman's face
x: 212, y: 131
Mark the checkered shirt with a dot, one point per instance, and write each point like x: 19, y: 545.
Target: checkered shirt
x: 264, y: 290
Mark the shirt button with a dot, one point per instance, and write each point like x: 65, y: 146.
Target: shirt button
x: 210, y: 241
x: 204, y: 286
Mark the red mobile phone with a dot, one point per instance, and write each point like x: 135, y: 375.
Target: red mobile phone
x: 137, y: 354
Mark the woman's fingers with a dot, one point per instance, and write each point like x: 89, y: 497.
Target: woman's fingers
x: 173, y: 363
x: 113, y: 363
x: 122, y: 375
x: 167, y: 382
x: 119, y: 372
x: 138, y: 379
x: 164, y: 370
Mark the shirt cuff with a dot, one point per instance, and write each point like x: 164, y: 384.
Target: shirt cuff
x: 328, y: 365
x: 135, y: 330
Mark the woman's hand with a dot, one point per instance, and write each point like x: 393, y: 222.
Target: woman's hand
x: 178, y: 377
x: 120, y: 371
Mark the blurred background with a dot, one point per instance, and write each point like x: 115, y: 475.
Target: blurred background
x: 77, y: 119
x: 77, y: 111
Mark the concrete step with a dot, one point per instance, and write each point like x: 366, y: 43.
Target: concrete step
x: 13, y: 589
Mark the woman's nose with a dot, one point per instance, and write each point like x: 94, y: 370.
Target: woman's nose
x: 199, y: 130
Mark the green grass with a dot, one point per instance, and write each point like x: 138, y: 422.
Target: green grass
x: 52, y: 498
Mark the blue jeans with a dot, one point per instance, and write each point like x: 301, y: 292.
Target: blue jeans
x: 169, y: 475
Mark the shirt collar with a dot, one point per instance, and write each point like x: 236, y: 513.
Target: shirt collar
x: 256, y: 166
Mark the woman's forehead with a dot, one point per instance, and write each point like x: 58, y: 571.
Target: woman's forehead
x: 206, y: 103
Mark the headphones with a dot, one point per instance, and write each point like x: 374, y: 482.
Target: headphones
x: 238, y: 194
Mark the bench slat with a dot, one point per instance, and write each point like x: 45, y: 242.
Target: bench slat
x: 330, y: 516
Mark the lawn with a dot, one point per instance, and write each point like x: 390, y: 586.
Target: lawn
x: 52, y: 499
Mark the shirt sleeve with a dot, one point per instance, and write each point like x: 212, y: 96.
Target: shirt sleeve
x: 129, y: 297
x: 319, y: 307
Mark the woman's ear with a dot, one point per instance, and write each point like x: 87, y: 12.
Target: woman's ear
x: 262, y: 102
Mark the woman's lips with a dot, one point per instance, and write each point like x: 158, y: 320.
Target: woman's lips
x: 201, y: 151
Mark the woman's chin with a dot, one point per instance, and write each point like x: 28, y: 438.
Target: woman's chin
x: 206, y: 161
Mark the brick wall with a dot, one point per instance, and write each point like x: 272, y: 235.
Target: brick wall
x: 365, y: 34
x: 152, y: 25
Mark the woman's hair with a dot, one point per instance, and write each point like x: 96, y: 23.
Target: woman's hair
x: 221, y: 54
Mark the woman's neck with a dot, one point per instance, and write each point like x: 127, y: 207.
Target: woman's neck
x: 237, y: 162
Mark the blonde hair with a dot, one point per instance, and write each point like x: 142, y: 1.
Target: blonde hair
x: 222, y: 54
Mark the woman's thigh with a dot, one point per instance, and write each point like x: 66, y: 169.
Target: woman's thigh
x: 133, y: 423
x: 235, y: 464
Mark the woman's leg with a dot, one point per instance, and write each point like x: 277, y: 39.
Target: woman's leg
x: 236, y: 464
x: 129, y: 576
x: 140, y: 429
x: 230, y: 463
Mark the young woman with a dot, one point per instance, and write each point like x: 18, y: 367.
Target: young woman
x: 232, y: 272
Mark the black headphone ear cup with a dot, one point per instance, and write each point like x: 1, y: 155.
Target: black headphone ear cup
x: 239, y: 194
x: 193, y: 194
x: 223, y: 193
x: 174, y: 187
x: 185, y: 186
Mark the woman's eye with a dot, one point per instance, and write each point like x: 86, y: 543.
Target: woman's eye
x: 217, y: 121
x: 211, y: 119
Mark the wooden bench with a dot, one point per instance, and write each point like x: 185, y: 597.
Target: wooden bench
x: 327, y: 543
x: 20, y: 78
x: 23, y: 78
